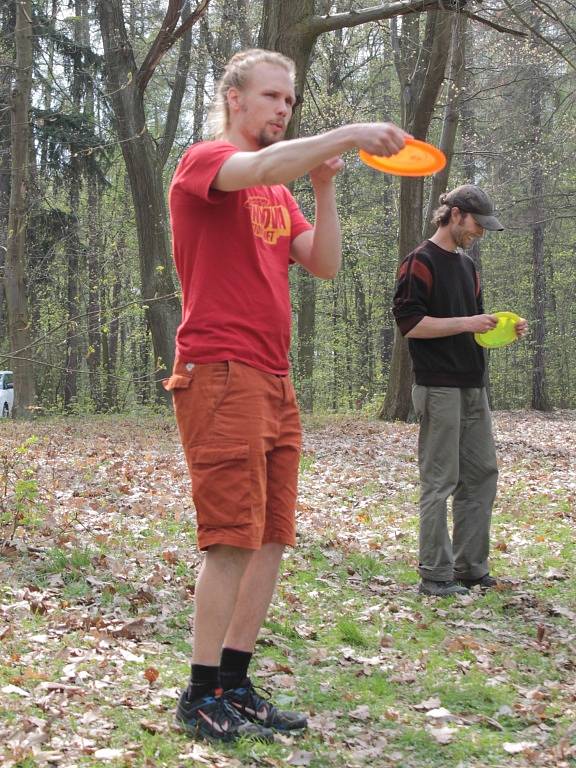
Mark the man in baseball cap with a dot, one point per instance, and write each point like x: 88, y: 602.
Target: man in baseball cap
x: 438, y: 307
x: 471, y: 199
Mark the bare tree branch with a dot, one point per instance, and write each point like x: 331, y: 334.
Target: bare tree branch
x: 178, y: 89
x: 166, y: 37
x: 546, y: 10
x: 539, y: 35
x: 495, y: 25
x: 329, y: 22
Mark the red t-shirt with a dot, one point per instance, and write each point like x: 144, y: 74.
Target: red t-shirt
x: 232, y: 252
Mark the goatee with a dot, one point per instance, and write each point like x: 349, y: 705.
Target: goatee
x: 265, y: 140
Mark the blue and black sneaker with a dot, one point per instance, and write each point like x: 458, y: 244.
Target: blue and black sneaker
x: 213, y: 717
x: 254, y: 707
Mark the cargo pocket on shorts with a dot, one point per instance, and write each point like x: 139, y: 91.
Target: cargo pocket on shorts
x: 221, y: 484
x: 176, y: 381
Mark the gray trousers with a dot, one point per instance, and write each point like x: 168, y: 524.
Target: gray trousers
x: 456, y: 457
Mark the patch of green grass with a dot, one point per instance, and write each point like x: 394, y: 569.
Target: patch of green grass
x: 349, y: 632
x: 402, y: 572
x: 366, y: 566
x: 473, y: 695
x: 179, y: 621
x: 376, y: 689
x: 76, y: 590
x: 284, y: 629
x: 307, y: 461
x: 68, y: 563
x: 27, y: 762
x: 117, y: 588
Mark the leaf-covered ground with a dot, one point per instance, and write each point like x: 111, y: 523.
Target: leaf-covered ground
x: 97, y: 591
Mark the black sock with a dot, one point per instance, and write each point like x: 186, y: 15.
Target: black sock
x: 233, y: 667
x: 204, y: 680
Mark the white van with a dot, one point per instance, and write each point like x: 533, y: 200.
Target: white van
x: 6, y: 393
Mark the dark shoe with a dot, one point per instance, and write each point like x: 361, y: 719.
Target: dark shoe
x: 441, y: 588
x: 256, y: 708
x: 212, y: 717
x: 486, y: 582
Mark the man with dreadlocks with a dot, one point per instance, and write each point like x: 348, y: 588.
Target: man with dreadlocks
x: 236, y: 229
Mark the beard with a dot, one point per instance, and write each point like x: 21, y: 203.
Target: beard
x: 266, y: 139
x: 464, y: 239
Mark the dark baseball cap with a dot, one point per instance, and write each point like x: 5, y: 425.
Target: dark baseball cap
x: 471, y: 199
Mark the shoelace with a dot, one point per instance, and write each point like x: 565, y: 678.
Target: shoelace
x: 227, y: 712
x: 256, y: 699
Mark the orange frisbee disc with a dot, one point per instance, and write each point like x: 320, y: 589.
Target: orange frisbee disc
x: 417, y: 158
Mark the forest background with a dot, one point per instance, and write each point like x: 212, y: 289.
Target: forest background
x: 99, y: 100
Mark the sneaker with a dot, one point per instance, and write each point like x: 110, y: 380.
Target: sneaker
x: 212, y: 717
x: 254, y: 707
x: 441, y: 588
x: 485, y: 582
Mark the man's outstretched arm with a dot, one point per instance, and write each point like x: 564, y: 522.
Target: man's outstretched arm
x: 286, y: 161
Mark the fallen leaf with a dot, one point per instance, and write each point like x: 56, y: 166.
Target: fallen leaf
x: 170, y: 556
x: 131, y: 630
x: 300, y: 757
x: 431, y: 703
x: 151, y: 674
x: 129, y: 656
x: 152, y: 727
x: 109, y: 754
x: 439, y: 714
x: 15, y: 689
x: 360, y: 713
x: 555, y: 575
x: 442, y: 735
x: 519, y: 746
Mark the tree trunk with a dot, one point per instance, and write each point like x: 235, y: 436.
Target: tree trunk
x: 244, y: 31
x: 94, y: 353
x: 421, y: 78
x: 162, y: 307
x: 456, y: 84
x: 94, y: 231
x: 144, y: 163
x: 467, y: 113
x: 286, y: 28
x: 539, y: 388
x: 142, y: 366
x: 73, y: 239
x: 73, y: 288
x: 109, y: 302
x: 5, y: 77
x: 108, y: 387
x: 363, y: 383
x: 336, y: 348
x: 15, y: 268
x: 47, y: 86
x: 200, y: 82
x: 306, y: 338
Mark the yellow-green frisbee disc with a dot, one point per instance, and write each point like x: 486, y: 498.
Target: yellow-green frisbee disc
x: 503, y: 334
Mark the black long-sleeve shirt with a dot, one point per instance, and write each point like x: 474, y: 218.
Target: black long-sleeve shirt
x: 439, y: 283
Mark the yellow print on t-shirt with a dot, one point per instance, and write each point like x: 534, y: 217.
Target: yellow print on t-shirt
x: 269, y: 222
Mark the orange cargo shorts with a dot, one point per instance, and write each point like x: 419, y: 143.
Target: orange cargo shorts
x: 241, y: 434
